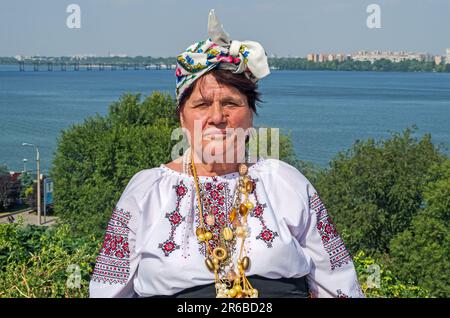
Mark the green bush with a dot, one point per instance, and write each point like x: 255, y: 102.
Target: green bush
x: 35, y: 262
x: 43, y: 262
x: 378, y: 282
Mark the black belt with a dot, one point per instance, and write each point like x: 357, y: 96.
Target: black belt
x: 268, y: 288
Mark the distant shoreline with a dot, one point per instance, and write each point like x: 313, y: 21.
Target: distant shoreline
x: 281, y: 63
x: 107, y: 68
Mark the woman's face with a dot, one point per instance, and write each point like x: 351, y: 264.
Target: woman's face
x: 211, y: 109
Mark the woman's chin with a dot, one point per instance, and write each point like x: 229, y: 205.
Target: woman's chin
x: 217, y: 149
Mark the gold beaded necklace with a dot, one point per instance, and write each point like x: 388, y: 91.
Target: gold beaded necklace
x: 219, y: 260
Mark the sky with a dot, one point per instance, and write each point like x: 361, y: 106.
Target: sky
x: 166, y: 27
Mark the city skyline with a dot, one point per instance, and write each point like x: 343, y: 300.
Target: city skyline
x: 345, y: 55
x: 161, y: 28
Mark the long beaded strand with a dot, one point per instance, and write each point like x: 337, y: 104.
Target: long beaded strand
x: 241, y: 287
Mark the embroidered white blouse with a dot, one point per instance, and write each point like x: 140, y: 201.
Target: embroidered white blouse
x: 150, y: 247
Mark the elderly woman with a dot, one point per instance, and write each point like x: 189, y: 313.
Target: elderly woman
x: 221, y: 228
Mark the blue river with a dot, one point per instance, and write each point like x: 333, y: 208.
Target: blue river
x: 325, y: 111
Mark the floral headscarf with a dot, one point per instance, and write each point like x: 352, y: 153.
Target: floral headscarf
x: 218, y: 50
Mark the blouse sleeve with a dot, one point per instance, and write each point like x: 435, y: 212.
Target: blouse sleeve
x: 332, y: 271
x: 118, y: 260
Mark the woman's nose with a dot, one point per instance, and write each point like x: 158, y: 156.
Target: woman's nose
x: 216, y: 115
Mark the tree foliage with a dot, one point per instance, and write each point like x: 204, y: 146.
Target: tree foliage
x: 26, y: 181
x: 376, y: 187
x: 95, y: 160
x: 30, y: 195
x: 421, y: 253
x: 382, y: 65
x: 9, y: 191
x: 4, y: 169
x: 391, y: 199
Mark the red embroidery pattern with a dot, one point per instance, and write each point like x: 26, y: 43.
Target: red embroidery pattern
x: 218, y: 199
x: 330, y: 238
x: 266, y: 234
x: 113, y: 263
x: 175, y: 220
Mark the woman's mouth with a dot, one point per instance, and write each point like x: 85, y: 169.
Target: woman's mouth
x: 216, y: 134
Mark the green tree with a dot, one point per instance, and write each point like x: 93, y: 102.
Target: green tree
x: 422, y: 252
x: 26, y: 181
x: 95, y: 160
x: 375, y: 188
x: 382, y: 65
x: 9, y: 191
x: 31, y: 197
x: 4, y: 169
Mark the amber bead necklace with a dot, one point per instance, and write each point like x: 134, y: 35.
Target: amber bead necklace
x: 230, y: 280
